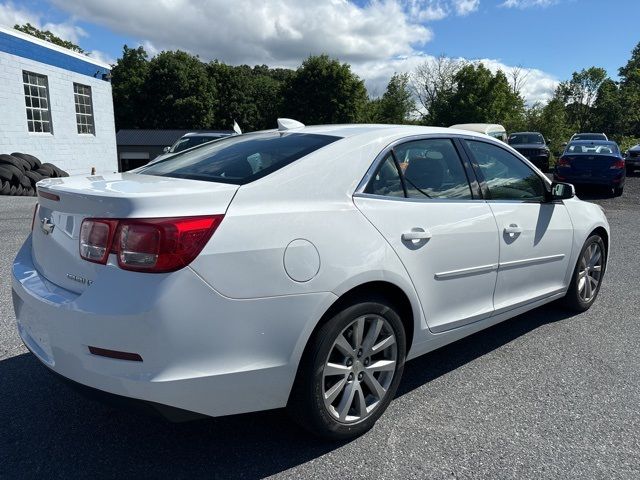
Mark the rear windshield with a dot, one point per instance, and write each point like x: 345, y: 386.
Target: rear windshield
x: 589, y: 136
x: 592, y: 148
x: 524, y: 138
x: 239, y: 159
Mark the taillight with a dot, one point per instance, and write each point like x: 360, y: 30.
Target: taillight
x: 617, y: 165
x: 147, y: 245
x: 96, y: 236
x: 564, y: 162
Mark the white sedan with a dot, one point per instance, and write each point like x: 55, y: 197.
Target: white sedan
x: 297, y: 267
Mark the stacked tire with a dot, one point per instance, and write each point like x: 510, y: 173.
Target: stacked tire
x: 19, y: 173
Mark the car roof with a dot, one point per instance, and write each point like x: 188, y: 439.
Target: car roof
x: 525, y: 133
x: 478, y: 127
x: 589, y: 142
x: 363, y: 129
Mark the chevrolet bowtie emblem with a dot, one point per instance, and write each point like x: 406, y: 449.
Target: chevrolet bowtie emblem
x: 47, y: 226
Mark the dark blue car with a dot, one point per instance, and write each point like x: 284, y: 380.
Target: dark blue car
x: 592, y: 162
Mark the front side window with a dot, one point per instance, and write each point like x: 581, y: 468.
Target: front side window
x: 36, y: 97
x: 239, y: 159
x: 84, y: 109
x: 433, y: 169
x: 506, y: 176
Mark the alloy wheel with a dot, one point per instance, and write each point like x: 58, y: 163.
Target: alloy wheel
x: 359, y: 368
x: 590, y: 272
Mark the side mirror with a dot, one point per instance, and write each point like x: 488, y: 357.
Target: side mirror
x: 166, y: 149
x: 548, y: 141
x: 562, y: 191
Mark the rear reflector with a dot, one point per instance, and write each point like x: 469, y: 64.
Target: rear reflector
x: 152, y: 245
x: 103, y: 352
x: 48, y: 196
x: 95, y: 239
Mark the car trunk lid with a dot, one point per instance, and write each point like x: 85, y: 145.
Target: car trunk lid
x: 588, y: 164
x: 65, y: 202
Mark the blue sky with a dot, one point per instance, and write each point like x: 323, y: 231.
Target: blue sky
x: 551, y: 37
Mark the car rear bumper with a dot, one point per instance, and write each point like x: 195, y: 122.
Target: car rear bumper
x: 611, y: 181
x: 201, y: 352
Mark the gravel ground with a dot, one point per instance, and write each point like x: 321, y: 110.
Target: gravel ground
x: 544, y: 395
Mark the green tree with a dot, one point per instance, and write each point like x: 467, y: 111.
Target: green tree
x: 630, y: 94
x: 608, y: 109
x: 323, y: 90
x: 554, y: 124
x: 433, y: 83
x: 479, y: 96
x: 47, y: 36
x: 580, y: 93
x: 396, y: 104
x: 128, y: 79
x: 179, y: 92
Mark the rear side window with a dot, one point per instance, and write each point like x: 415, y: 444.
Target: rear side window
x: 433, y: 169
x: 239, y: 159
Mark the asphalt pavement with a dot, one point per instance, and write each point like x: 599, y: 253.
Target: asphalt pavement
x: 547, y: 394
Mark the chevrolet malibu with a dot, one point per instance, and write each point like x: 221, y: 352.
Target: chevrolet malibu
x: 299, y: 267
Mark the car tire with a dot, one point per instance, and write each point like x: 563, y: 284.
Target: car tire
x: 347, y: 404
x: 18, y: 163
x: 33, y: 161
x: 52, y: 168
x: 34, y: 176
x: 617, y: 191
x: 576, y: 298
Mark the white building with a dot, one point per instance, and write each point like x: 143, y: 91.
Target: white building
x: 55, y: 104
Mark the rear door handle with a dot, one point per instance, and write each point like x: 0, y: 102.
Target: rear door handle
x: 512, y: 229
x: 416, y: 233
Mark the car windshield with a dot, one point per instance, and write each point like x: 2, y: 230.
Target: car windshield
x: 525, y: 138
x: 592, y: 148
x: 188, y: 142
x: 588, y: 136
x: 239, y: 159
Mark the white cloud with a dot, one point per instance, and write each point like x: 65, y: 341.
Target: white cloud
x: 11, y: 14
x: 255, y: 31
x: 465, y: 7
x: 378, y: 39
x: 102, y: 57
x: 430, y: 10
x: 528, y: 3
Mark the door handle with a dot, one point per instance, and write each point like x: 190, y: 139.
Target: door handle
x: 513, y: 229
x: 416, y: 233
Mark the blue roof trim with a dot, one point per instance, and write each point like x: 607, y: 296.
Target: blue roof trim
x: 38, y: 53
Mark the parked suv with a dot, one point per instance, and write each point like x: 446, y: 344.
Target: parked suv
x: 533, y: 146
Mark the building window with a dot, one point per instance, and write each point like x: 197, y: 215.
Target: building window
x: 36, y: 97
x: 84, y: 109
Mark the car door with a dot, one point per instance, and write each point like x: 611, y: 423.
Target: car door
x: 536, y: 235
x: 420, y: 199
